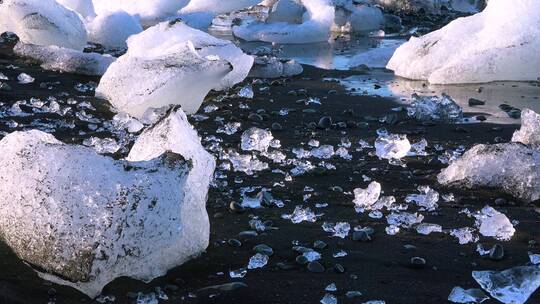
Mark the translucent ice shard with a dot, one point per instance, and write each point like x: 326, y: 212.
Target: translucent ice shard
x: 427, y: 199
x: 494, y: 224
x: 256, y: 139
x: 433, y: 108
x: 467, y: 296
x: 529, y: 133
x: 365, y: 198
x: 392, y: 146
x: 511, y: 286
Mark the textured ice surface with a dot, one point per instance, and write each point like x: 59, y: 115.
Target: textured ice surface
x: 62, y: 59
x: 467, y: 296
x: 107, y: 218
x: 431, y: 6
x: 529, y: 133
x: 427, y: 228
x: 427, y: 198
x: 43, y: 22
x: 500, y: 43
x: 85, y: 8
x: 511, y: 286
x: 350, y: 17
x: 217, y: 6
x: 433, y: 108
x: 316, y: 26
x: 112, y: 29
x: 301, y: 214
x: 492, y: 223
x: 150, y: 12
x: 392, y: 146
x: 256, y: 139
x: 165, y: 65
x: 511, y: 168
x: 464, y: 235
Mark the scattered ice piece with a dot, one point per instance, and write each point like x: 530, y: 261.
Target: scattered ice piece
x: 43, y: 22
x: 392, y: 230
x: 433, y: 108
x: 427, y: 199
x: 84, y: 7
x: 428, y: 228
x: 323, y: 152
x: 112, y: 29
x: 102, y: 145
x: 375, y: 302
x: 529, y: 133
x: 331, y: 287
x: 259, y: 260
x: 511, y: 168
x: 404, y: 219
x: 3, y: 76
x: 535, y: 258
x: 25, y: 78
x: 419, y: 148
x: 340, y: 229
x: 301, y: 214
x: 471, y: 50
x: 312, y: 255
x: 365, y: 198
x: 465, y: 235
x: 244, y: 162
x: 329, y: 299
x: 511, y: 286
x: 238, y: 273
x: 460, y: 295
x: 229, y: 128
x: 246, y: 92
x: 492, y: 223
x: 339, y: 254
x: 392, y: 146
x: 256, y: 139
x: 66, y: 60
x: 272, y: 67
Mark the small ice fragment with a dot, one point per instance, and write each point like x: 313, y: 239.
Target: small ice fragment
x: 392, y: 230
x: 301, y: 214
x: 465, y: 235
x: 238, y: 273
x: 492, y: 223
x: 427, y: 228
x: 404, y: 219
x: 340, y: 229
x: 392, y: 146
x: 246, y: 92
x: 460, y: 295
x: 535, y: 258
x: 331, y: 287
x: 339, y: 254
x: 229, y: 128
x: 364, y: 198
x: 323, y: 152
x: 3, y: 76
x: 255, y: 139
x: 375, y: 302
x: 427, y: 199
x: 259, y: 260
x: 329, y: 299
x: 529, y: 133
x: 25, y: 78
x: 314, y: 143
x: 432, y: 108
x: 102, y: 145
x: 312, y: 255
x: 511, y: 286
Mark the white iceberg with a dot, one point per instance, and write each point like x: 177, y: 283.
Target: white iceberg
x: 217, y: 6
x: 500, y: 43
x: 85, y: 8
x: 43, y: 22
x: 67, y: 60
x: 171, y: 63
x: 85, y: 219
x: 112, y: 29
x: 150, y: 12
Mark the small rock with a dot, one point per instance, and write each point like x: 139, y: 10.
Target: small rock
x: 418, y: 262
x: 325, y: 122
x: 319, y: 244
x: 234, y: 243
x: 263, y: 249
x: 339, y: 268
x: 475, y: 102
x: 496, y: 253
x: 361, y: 236
x: 315, y: 267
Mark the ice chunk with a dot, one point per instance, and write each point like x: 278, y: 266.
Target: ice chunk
x: 259, y: 260
x: 377, y: 57
x: 427, y: 228
x: 365, y: 198
x: 392, y: 146
x: 246, y: 163
x: 24, y: 78
x: 432, y: 108
x: 62, y: 59
x: 500, y: 43
x: 340, y: 229
x: 43, y: 22
x: 535, y: 258
x: 350, y: 17
x: 135, y: 209
x: 492, y: 223
x: 404, y: 219
x: 85, y: 8
x: 464, y: 235
x: 511, y: 286
x: 329, y: 299
x: 315, y: 28
x: 112, y: 29
x: 324, y: 152
x: 301, y: 214
x: 511, y: 168
x: 529, y: 133
x: 102, y: 145
x: 171, y: 63
x: 272, y: 67
x: 460, y: 295
x: 255, y: 139
x: 427, y: 199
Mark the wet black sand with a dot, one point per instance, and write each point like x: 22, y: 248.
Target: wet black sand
x: 378, y: 269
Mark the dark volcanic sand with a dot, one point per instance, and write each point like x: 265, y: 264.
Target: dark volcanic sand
x: 379, y: 269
